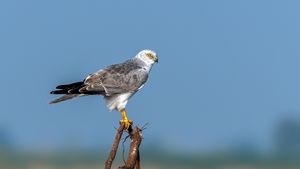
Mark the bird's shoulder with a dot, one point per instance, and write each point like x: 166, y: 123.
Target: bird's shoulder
x: 123, y: 68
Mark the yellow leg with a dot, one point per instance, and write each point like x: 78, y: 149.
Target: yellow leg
x: 125, y: 120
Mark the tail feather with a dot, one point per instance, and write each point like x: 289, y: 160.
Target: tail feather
x: 71, y: 91
x: 65, y: 97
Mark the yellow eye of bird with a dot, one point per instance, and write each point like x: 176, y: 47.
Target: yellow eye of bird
x: 149, y: 55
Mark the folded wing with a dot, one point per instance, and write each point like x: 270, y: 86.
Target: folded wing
x: 115, y: 79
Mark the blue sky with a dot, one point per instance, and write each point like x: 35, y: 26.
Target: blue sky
x: 228, y: 70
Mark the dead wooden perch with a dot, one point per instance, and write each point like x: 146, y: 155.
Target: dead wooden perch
x: 133, y: 158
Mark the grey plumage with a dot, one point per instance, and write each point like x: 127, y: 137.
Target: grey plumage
x: 117, y: 83
x: 118, y: 78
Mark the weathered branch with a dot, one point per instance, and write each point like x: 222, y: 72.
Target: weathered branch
x: 114, y: 148
x: 133, y: 159
x: 138, y: 159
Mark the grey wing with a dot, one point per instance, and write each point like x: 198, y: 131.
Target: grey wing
x: 135, y: 79
x: 114, y: 80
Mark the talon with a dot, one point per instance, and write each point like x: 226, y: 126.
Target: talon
x: 127, y: 123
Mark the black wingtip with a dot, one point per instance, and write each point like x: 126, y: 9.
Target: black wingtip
x: 59, y: 92
x: 61, y: 86
x: 70, y: 86
x: 56, y: 92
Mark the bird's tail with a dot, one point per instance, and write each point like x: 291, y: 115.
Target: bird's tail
x: 70, y: 90
x: 65, y: 97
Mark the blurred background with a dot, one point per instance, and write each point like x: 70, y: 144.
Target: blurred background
x: 224, y: 95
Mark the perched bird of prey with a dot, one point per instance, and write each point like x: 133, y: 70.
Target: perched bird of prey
x: 117, y: 83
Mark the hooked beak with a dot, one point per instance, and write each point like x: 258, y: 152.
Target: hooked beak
x: 156, y: 59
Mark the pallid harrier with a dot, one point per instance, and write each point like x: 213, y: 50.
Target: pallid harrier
x: 117, y: 83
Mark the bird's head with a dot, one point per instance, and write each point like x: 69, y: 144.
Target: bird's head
x: 148, y: 56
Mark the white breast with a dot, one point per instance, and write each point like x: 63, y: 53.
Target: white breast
x: 117, y: 102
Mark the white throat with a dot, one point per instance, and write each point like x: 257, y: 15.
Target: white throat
x: 148, y: 62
